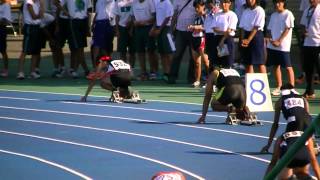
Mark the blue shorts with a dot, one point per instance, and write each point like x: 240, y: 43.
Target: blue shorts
x: 3, y: 39
x: 103, y: 35
x: 254, y: 53
x: 278, y: 58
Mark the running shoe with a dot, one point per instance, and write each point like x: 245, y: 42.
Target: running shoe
x: 196, y: 84
x: 276, y: 92
x: 20, y: 76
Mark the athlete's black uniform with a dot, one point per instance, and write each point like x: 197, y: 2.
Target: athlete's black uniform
x: 293, y: 109
x: 231, y: 88
x: 119, y: 74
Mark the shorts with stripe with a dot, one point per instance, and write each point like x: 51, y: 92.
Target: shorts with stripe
x: 198, y: 44
x: 254, y: 53
x: 31, y: 39
x: 3, y: 39
x: 165, y: 41
x: 78, y: 33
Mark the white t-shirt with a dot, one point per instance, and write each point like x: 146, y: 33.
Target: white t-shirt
x: 5, y: 11
x: 224, y: 21
x: 251, y: 18
x: 27, y: 19
x: 186, y: 17
x: 143, y: 11
x: 278, y: 23
x: 312, y: 27
x: 77, y: 8
x: 164, y: 9
x: 103, y: 9
x: 123, y: 9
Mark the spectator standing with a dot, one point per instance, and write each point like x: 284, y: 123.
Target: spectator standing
x: 183, y: 16
x: 124, y: 30
x: 212, y: 9
x: 280, y: 27
x: 5, y: 19
x: 48, y: 27
x: 77, y: 11
x: 198, y: 41
x: 103, y: 31
x: 251, y: 37
x: 143, y: 20
x: 32, y: 13
x: 311, y: 45
x: 224, y: 27
x: 161, y: 30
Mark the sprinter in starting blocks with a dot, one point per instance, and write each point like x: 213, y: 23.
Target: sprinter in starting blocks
x: 230, y: 97
x: 114, y: 76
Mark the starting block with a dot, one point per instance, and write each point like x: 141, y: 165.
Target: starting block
x: 135, y: 98
x: 232, y: 120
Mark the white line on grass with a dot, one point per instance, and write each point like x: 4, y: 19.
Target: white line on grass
x: 48, y: 162
x: 132, y: 119
x: 104, y: 149
x: 134, y: 134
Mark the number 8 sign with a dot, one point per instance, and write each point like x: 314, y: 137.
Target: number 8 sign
x: 258, y: 92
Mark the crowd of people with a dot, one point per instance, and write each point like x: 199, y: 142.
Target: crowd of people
x: 146, y: 28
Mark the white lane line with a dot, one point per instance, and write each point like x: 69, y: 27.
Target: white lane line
x: 144, y: 109
x: 138, y: 108
x: 132, y: 119
x: 104, y: 149
x: 16, y: 98
x: 134, y: 134
x: 70, y: 94
x: 48, y: 162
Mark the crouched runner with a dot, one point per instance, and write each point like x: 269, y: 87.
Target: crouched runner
x: 231, y: 95
x: 114, y: 76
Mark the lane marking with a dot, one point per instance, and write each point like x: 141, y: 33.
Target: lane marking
x: 48, y: 162
x: 70, y: 94
x: 104, y: 149
x: 133, y: 119
x: 144, y: 109
x: 135, y: 134
x: 16, y: 98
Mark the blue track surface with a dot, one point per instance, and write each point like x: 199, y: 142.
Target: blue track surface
x: 54, y: 136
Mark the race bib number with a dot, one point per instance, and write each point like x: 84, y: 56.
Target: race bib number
x: 258, y: 92
x: 119, y: 64
x: 293, y: 102
x: 229, y: 72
